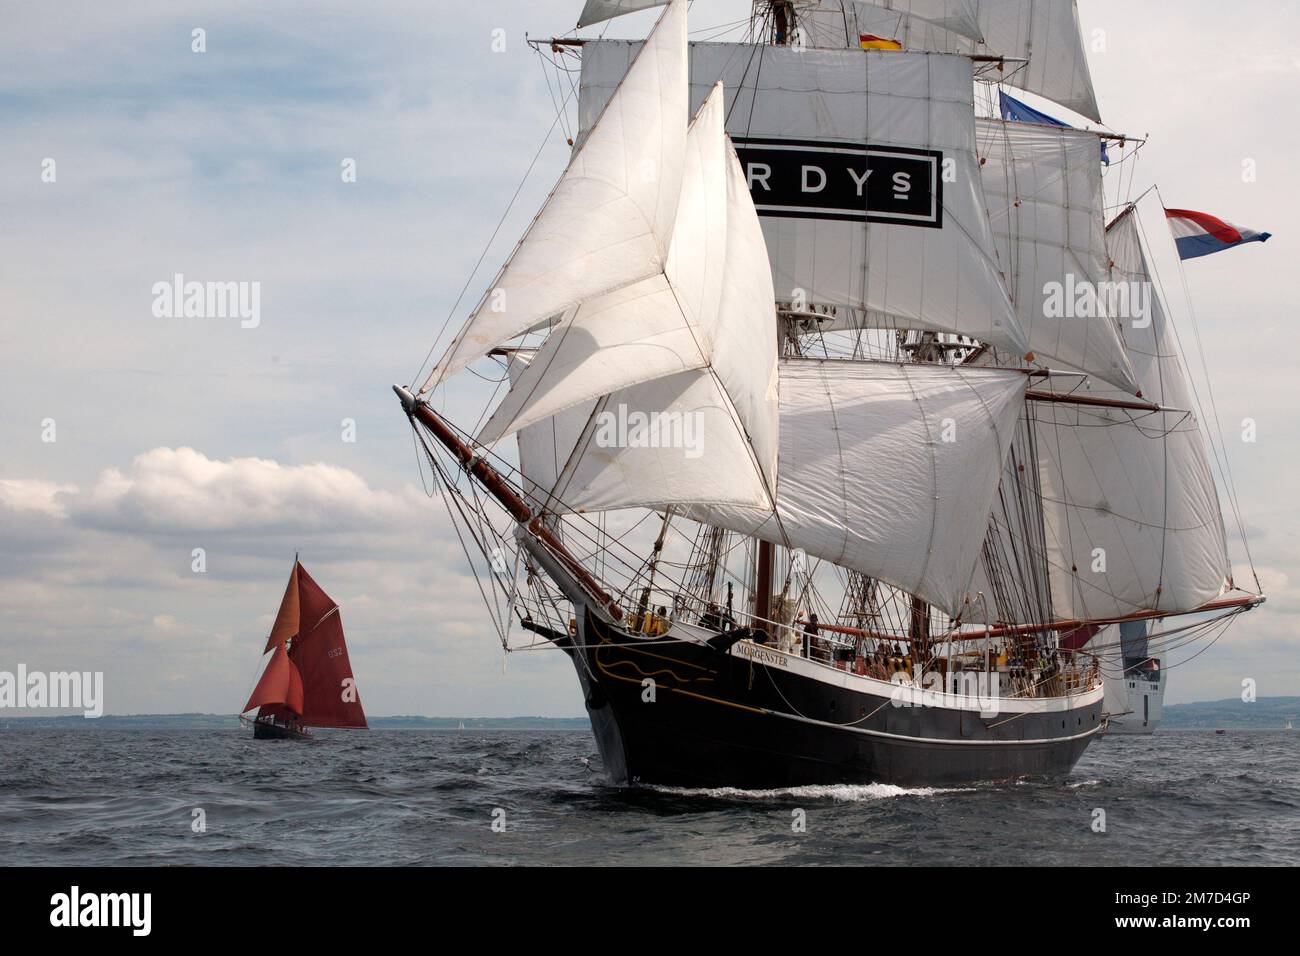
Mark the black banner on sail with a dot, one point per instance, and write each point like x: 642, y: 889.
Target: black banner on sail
x: 810, y: 180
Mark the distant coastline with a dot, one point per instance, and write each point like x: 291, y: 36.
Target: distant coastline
x: 1267, y: 713
x: 226, y: 721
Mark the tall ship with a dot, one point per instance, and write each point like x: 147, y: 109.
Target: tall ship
x: 826, y: 394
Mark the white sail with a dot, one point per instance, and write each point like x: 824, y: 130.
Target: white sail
x: 1135, y: 488
x: 544, y: 447
x: 711, y: 309
x: 1046, y: 208
x: 1130, y: 515
x: 813, y: 127
x: 666, y: 442
x: 916, y: 24
x: 888, y: 469
x: 895, y: 16
x: 609, y: 221
x: 597, y: 10
x: 1046, y: 33
x: 671, y: 441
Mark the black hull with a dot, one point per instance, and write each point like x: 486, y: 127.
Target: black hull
x: 266, y: 731
x: 763, y: 720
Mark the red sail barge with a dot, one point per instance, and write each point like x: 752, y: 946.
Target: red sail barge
x: 308, y: 682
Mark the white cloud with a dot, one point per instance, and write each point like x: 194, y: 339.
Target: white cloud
x: 172, y: 490
x: 35, y: 495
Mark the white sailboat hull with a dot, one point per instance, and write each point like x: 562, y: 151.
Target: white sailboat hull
x: 1137, y: 704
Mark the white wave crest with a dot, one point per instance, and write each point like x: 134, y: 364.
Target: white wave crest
x: 838, y: 793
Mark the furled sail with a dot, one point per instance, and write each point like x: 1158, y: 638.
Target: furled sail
x: 609, y: 221
x: 863, y: 169
x: 1130, y: 515
x: 1046, y: 208
x: 888, y: 470
x: 1046, y: 33
x: 710, y: 314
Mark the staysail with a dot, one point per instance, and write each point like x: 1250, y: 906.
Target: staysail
x: 1136, y: 486
x: 694, y: 349
x: 280, y: 687
x: 863, y: 169
x: 1130, y: 515
x: 710, y: 313
x: 609, y: 221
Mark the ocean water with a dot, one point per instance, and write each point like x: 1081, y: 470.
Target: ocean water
x: 128, y: 797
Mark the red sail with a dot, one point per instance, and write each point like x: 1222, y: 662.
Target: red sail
x: 281, y: 684
x: 286, y: 619
x: 313, y: 603
x: 330, y: 691
x: 313, y: 678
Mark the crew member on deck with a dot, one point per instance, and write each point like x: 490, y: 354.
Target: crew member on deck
x: 809, y: 634
x: 660, y: 624
x: 712, y: 617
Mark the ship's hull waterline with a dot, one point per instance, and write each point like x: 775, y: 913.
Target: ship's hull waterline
x: 755, y: 718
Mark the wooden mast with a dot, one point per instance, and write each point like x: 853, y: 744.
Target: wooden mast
x: 500, y: 489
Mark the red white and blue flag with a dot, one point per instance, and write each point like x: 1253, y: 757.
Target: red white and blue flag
x: 1199, y: 234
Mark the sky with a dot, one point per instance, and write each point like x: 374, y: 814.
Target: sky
x: 172, y: 434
